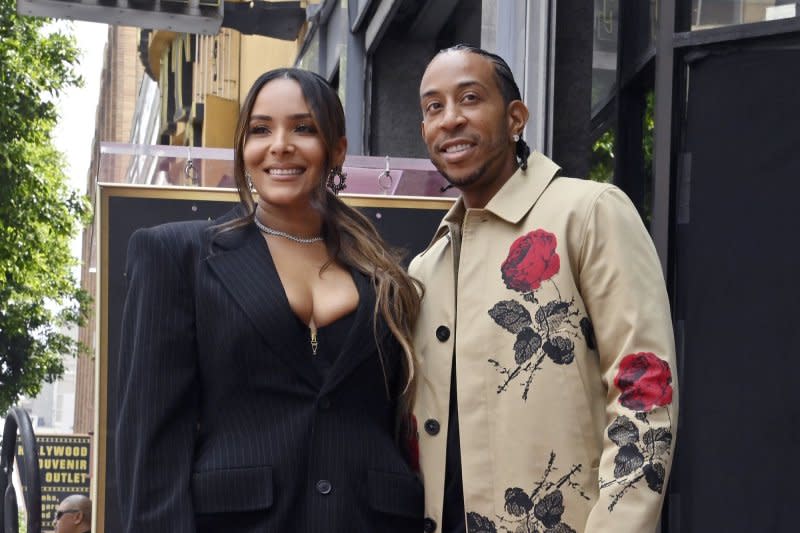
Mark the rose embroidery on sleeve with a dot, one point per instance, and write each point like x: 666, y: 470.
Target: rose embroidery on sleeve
x: 531, y: 260
x: 644, y: 380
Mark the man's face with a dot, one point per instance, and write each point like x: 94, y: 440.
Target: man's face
x: 66, y: 518
x: 466, y: 125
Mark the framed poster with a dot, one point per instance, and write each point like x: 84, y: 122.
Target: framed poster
x: 405, y: 222
x: 63, y: 470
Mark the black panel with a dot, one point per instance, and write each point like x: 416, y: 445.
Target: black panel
x: 409, y: 229
x: 737, y: 293
x: 572, y: 86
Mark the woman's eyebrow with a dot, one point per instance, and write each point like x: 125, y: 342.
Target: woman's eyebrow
x: 296, y: 116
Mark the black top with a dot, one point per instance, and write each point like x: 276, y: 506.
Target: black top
x: 330, y: 341
x: 453, y: 511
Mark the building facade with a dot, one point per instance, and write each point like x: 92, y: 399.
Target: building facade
x: 121, y: 77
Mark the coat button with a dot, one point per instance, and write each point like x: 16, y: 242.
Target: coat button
x: 324, y: 402
x: 432, y: 426
x: 429, y: 525
x: 324, y: 486
x: 442, y: 333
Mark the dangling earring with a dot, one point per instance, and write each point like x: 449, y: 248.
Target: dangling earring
x: 249, y: 179
x: 336, y: 180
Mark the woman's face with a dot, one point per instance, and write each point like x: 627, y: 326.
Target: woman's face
x: 283, y: 150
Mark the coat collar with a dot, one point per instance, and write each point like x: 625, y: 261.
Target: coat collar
x: 523, y: 189
x: 514, y: 200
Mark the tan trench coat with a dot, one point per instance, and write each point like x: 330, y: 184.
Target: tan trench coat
x: 567, y: 393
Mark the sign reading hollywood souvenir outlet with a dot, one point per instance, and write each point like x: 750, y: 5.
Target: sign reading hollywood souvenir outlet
x: 63, y: 468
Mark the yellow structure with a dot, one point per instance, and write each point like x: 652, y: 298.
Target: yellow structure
x: 203, y: 79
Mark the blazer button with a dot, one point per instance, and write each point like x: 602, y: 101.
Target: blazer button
x: 429, y: 525
x: 442, y: 333
x: 324, y: 486
x: 432, y: 426
x: 324, y: 402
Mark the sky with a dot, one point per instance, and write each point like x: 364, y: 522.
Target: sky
x: 74, y: 133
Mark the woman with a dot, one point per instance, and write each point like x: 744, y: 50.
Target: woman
x: 266, y: 367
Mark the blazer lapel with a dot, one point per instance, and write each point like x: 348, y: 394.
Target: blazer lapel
x: 360, y: 343
x: 245, y: 268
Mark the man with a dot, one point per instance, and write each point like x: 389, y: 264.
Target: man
x: 73, y: 515
x: 547, y: 397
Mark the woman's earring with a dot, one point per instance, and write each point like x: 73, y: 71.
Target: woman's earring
x: 249, y: 179
x: 515, y: 137
x: 337, y: 180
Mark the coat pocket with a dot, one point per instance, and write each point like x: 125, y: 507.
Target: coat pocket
x: 232, y: 490
x: 396, y: 493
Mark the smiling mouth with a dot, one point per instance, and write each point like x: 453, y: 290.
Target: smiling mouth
x: 456, y: 148
x: 285, y: 171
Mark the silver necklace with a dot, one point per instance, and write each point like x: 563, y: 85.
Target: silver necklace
x: 278, y: 233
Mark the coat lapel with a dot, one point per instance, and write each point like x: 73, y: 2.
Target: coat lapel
x: 245, y: 268
x: 360, y: 343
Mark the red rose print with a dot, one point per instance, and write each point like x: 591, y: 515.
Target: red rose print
x: 644, y: 379
x: 531, y: 260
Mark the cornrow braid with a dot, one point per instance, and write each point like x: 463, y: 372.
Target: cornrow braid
x: 522, y: 152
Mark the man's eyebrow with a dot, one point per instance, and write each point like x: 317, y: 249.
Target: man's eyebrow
x: 461, y: 85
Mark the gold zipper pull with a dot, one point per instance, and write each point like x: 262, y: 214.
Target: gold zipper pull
x: 314, y: 342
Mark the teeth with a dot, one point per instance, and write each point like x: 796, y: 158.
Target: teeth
x: 285, y: 171
x: 457, y: 148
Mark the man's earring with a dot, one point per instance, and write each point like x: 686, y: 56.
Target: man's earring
x: 337, y: 180
x: 249, y: 179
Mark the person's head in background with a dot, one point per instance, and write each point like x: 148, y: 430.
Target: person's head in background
x: 73, y: 515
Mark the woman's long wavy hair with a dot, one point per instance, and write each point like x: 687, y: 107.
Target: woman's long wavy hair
x: 350, y: 237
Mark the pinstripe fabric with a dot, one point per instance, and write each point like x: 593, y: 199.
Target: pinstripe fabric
x: 224, y: 423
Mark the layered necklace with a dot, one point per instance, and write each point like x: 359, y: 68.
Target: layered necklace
x: 278, y: 233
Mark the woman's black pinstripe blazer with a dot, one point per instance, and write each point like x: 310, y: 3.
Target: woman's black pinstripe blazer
x: 224, y: 423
